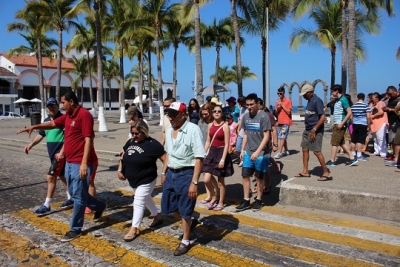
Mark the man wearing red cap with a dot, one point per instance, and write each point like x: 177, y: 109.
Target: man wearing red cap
x: 181, y: 174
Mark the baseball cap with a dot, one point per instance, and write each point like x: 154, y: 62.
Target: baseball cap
x: 216, y: 101
x: 306, y: 88
x: 51, y: 102
x: 178, y: 107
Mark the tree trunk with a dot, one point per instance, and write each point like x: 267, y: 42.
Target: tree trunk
x: 122, y: 118
x: 264, y: 62
x: 333, y: 66
x: 140, y: 85
x: 344, y: 46
x: 237, y: 49
x: 159, y: 83
x: 150, y: 83
x: 352, y: 51
x: 109, y: 94
x: 199, y: 65
x: 59, y: 60
x: 82, y: 90
x: 100, y: 103
x: 93, y: 111
x: 174, y: 71
x: 216, y: 74
x: 41, y: 85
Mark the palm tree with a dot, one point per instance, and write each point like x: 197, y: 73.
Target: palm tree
x: 60, y: 16
x: 35, y: 24
x: 80, y: 70
x: 398, y: 53
x: 237, y: 47
x: 328, y: 34
x: 246, y: 74
x: 258, y: 24
x: 85, y: 40
x: 111, y: 71
x: 157, y: 12
x: 219, y: 35
x: 176, y: 32
x: 99, y: 7
x: 192, y: 11
x: 225, y: 76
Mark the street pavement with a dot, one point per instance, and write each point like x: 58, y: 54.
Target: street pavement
x: 278, y: 235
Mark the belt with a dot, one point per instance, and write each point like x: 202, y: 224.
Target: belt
x: 181, y: 169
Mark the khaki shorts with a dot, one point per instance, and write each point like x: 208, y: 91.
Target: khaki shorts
x: 396, y: 139
x: 337, y: 138
x: 315, y: 146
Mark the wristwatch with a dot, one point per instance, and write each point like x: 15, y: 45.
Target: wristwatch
x: 194, y: 182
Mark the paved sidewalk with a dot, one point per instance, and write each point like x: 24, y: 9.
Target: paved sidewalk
x: 367, y: 189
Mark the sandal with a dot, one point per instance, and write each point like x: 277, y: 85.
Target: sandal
x: 302, y: 175
x: 218, y: 208
x: 212, y: 204
x: 205, y: 201
x: 130, y: 237
x: 324, y: 178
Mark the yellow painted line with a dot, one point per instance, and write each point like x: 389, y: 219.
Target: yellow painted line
x: 224, y: 259
x: 170, y: 243
x: 87, y: 242
x: 329, y: 219
x: 22, y: 250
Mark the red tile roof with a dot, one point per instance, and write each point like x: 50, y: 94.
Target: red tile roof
x: 6, y: 73
x: 30, y: 61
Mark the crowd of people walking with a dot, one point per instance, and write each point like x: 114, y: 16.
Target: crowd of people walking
x: 205, y: 141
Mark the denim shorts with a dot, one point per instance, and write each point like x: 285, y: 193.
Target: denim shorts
x: 175, y: 195
x: 258, y: 167
x: 283, y: 131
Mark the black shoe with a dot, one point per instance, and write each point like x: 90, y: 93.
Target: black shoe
x: 181, y: 249
x: 195, y: 222
x: 98, y: 214
x: 71, y: 235
x: 245, y: 205
x: 257, y: 205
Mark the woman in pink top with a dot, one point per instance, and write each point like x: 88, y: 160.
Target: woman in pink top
x: 378, y: 126
x: 233, y: 133
x: 217, y: 162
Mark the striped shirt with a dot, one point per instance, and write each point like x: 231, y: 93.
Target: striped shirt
x: 360, y: 110
x: 339, y: 110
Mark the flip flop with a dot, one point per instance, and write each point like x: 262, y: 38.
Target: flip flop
x: 129, y: 238
x: 324, y: 178
x: 218, y: 208
x: 205, y: 201
x: 156, y: 223
x: 302, y: 175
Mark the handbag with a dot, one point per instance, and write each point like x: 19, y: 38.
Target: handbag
x: 208, y: 149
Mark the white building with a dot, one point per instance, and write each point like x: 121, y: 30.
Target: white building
x: 19, y: 78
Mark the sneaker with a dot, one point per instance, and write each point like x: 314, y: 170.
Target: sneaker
x: 88, y: 210
x: 181, y: 249
x: 391, y: 163
x: 330, y: 163
x: 43, y: 210
x: 69, y: 203
x: 362, y: 158
x: 278, y: 156
x: 245, y: 205
x: 71, y: 235
x: 286, y: 153
x: 352, y: 162
x: 257, y: 205
x: 98, y: 214
x: 240, y: 164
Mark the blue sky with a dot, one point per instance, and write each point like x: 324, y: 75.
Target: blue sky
x: 309, y: 63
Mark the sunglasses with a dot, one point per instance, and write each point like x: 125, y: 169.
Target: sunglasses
x: 135, y: 133
x: 217, y: 111
x: 279, y: 93
x: 204, y: 114
x: 166, y: 106
x: 52, y: 106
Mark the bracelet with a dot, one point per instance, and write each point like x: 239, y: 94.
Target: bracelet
x: 222, y: 160
x: 119, y: 170
x: 163, y: 173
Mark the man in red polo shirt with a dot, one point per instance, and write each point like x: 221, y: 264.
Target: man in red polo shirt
x: 79, y: 154
x: 283, y: 108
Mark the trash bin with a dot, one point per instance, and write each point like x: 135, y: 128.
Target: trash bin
x: 35, y: 118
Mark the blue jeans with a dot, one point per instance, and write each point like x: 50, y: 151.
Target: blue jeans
x: 78, y: 189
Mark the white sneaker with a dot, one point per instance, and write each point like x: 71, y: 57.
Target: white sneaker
x: 278, y: 156
x: 287, y: 153
x: 240, y: 164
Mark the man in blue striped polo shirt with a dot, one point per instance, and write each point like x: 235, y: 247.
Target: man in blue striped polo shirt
x: 361, y: 124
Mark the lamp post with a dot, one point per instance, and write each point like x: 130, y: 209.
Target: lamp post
x: 267, y: 95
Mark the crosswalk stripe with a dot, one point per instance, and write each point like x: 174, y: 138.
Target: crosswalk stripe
x: 272, y: 247
x: 99, y: 247
x: 24, y: 251
x: 355, y: 242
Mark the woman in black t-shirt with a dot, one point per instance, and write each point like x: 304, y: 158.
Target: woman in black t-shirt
x: 139, y: 166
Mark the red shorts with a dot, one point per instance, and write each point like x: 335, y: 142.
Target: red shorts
x: 93, y: 174
x: 57, y: 168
